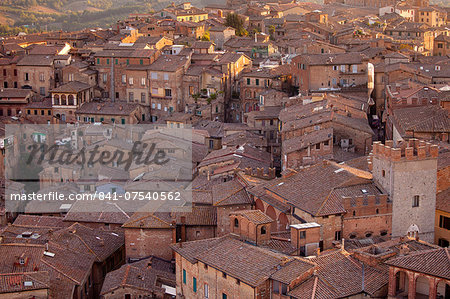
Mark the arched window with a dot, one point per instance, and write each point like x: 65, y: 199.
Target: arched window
x: 63, y: 100
x: 236, y: 222
x: 70, y: 100
x: 263, y: 230
x: 56, y: 99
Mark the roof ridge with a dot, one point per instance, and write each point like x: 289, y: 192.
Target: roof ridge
x: 228, y: 196
x: 60, y: 272
x: 125, y: 277
x: 29, y: 274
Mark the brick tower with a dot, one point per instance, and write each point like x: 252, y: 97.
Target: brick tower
x: 408, y: 173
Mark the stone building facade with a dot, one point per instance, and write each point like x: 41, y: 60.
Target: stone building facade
x: 408, y: 174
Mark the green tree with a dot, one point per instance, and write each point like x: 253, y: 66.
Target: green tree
x: 206, y: 36
x: 271, y: 31
x: 235, y: 21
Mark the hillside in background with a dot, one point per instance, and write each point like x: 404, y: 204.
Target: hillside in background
x: 68, y: 15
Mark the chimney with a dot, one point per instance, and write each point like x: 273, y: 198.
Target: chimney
x: 343, y: 244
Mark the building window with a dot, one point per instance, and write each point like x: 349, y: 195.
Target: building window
x: 184, y: 276
x: 194, y: 284
x: 236, y: 222
x: 27, y: 77
x: 206, y: 291
x: 224, y: 275
x: 124, y: 79
x: 257, y: 82
x: 143, y: 81
x: 224, y: 296
x: 302, y: 234
x: 166, y: 76
x: 383, y: 173
x: 284, y: 289
x: 107, y: 60
x: 131, y: 81
x: 337, y: 235
x: 263, y: 230
x: 105, y: 78
x: 98, y: 60
x: 276, y: 287
x: 154, y: 75
x: 318, y: 146
x: 248, y: 81
x: 142, y: 97
x: 131, y: 97
x: 444, y: 222
x: 42, y: 91
x: 415, y: 202
x: 168, y: 92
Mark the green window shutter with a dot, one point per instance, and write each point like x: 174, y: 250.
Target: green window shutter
x: 184, y: 276
x: 194, y: 284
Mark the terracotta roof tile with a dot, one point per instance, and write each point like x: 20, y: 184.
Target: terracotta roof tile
x: 255, y: 216
x: 434, y: 262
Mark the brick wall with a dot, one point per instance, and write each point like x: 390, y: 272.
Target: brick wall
x: 223, y: 217
x: 145, y: 242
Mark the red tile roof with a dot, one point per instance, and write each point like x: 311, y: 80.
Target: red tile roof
x: 434, y: 262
